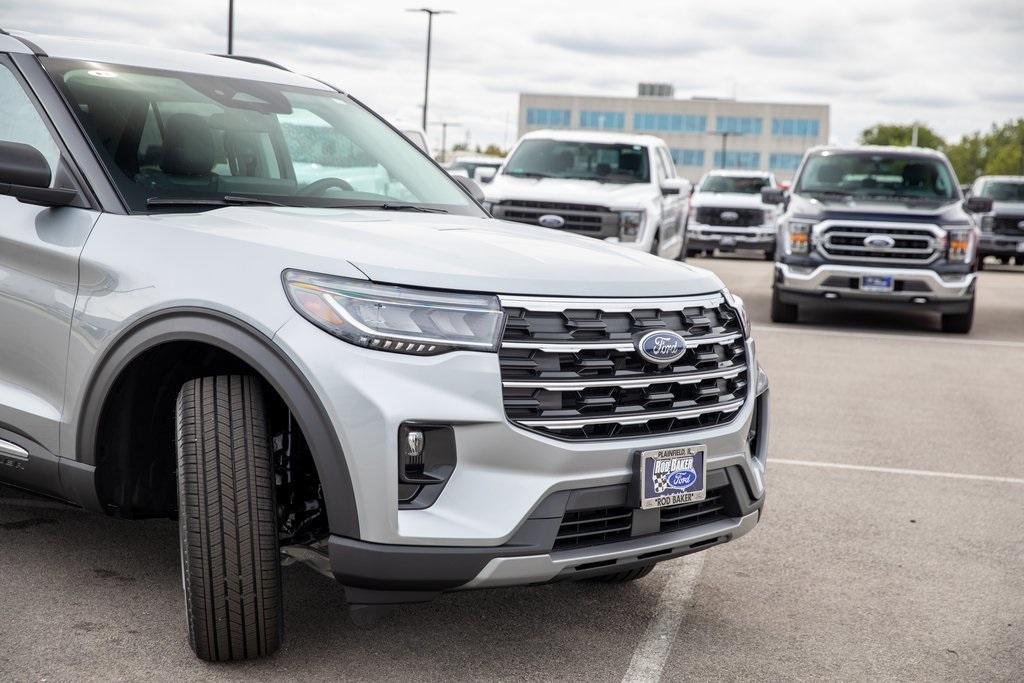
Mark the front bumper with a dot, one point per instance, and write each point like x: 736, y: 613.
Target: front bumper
x: 702, y: 236
x: 836, y: 284
x: 1000, y: 245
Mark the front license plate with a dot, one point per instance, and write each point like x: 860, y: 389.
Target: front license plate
x: 876, y: 283
x: 728, y: 242
x: 672, y: 476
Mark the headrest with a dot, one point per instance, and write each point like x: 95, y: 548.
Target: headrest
x: 629, y: 162
x: 830, y: 174
x: 188, y: 146
x: 917, y: 175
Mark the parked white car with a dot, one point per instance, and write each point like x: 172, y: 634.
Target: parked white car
x: 478, y: 167
x: 726, y: 213
x: 619, y: 188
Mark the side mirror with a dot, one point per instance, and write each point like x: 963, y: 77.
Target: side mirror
x: 485, y: 175
x: 978, y: 204
x: 672, y: 186
x: 772, y: 195
x: 25, y: 175
x: 471, y: 187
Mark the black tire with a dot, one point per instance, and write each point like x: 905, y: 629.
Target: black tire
x: 769, y: 255
x: 981, y: 263
x: 231, y: 570
x: 624, y: 576
x: 783, y: 312
x: 958, y: 323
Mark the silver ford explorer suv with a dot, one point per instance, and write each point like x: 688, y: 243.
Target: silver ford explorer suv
x: 234, y: 296
x: 877, y: 227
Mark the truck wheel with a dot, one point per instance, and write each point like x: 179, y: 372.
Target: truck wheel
x: 231, y: 570
x: 782, y: 312
x: 958, y: 323
x: 624, y: 576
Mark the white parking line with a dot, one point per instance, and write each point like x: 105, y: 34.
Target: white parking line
x: 896, y: 470
x: 652, y: 652
x: 926, y: 338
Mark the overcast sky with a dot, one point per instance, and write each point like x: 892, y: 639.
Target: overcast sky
x: 958, y: 66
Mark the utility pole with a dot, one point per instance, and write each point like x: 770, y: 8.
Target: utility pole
x: 430, y: 28
x: 231, y: 26
x: 725, y: 143
x: 444, y: 137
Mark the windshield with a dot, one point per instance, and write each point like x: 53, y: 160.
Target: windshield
x: 735, y: 184
x: 171, y: 139
x: 878, y: 176
x: 1003, y: 191
x: 608, y: 163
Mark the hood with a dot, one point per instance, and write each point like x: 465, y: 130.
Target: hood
x: 727, y: 200
x: 1008, y: 208
x: 611, y: 195
x: 448, y: 252
x: 946, y: 211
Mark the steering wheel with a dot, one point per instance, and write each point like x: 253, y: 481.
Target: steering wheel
x: 318, y: 187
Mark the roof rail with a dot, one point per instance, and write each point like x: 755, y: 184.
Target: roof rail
x: 254, y: 60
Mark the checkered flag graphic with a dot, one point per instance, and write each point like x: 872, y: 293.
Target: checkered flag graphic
x: 661, y: 482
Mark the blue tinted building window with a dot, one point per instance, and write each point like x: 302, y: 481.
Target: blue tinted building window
x: 603, y: 120
x: 669, y: 123
x: 688, y: 157
x: 553, y: 118
x: 784, y: 162
x: 742, y: 125
x: 800, y: 128
x: 737, y: 159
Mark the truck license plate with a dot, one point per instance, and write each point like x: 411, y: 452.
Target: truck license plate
x: 876, y: 283
x: 672, y: 476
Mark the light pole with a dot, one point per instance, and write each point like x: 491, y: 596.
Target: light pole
x: 725, y: 143
x: 231, y: 26
x: 444, y: 137
x: 430, y: 26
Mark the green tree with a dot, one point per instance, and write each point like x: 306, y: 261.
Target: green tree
x: 901, y: 135
x: 494, y: 150
x: 998, y: 152
x: 968, y: 157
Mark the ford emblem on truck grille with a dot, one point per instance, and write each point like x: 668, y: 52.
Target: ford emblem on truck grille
x: 661, y: 346
x: 729, y: 215
x: 551, y: 221
x: 879, y: 242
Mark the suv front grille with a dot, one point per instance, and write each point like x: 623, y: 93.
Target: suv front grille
x: 909, y: 243
x: 744, y: 218
x: 593, y: 221
x: 1008, y: 225
x: 569, y: 368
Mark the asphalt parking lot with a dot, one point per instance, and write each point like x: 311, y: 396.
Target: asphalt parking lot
x: 868, y: 563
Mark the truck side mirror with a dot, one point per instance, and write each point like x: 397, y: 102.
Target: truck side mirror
x: 471, y: 187
x: 772, y: 195
x: 978, y: 204
x: 484, y: 174
x: 25, y: 175
x: 672, y: 186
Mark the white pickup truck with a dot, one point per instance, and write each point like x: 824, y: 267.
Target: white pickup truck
x: 726, y: 213
x: 619, y: 188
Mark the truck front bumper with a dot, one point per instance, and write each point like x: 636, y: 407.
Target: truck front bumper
x: 840, y: 284
x: 702, y: 236
x: 1001, y: 245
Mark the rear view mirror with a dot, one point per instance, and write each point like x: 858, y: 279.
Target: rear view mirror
x: 772, y: 195
x: 671, y: 186
x: 25, y: 175
x: 471, y: 187
x: 978, y: 204
x: 484, y: 174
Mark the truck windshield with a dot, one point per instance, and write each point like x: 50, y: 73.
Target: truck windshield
x: 171, y: 140
x: 607, y: 163
x: 1004, y: 190
x: 873, y: 175
x: 734, y: 184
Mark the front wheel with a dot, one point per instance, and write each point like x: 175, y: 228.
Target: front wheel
x: 783, y: 312
x: 958, y: 323
x: 231, y: 570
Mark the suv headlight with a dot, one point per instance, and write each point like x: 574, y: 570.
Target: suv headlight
x: 399, y: 319
x: 797, y: 235
x: 735, y: 302
x: 630, y: 223
x: 961, y: 245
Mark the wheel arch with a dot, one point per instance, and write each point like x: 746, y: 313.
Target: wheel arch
x: 232, y: 336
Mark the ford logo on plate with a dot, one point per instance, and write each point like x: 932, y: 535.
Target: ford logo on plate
x: 662, y: 346
x: 681, y: 479
x: 551, y: 221
x: 879, y: 242
x: 729, y: 215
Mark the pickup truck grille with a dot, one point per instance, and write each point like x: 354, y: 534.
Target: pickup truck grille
x: 569, y: 368
x: 1008, y: 225
x: 585, y: 219
x: 892, y: 243
x: 723, y: 217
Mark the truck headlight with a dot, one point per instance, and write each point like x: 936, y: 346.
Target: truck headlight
x: 987, y: 222
x: 735, y: 302
x: 797, y: 236
x: 630, y: 223
x: 961, y: 245
x: 399, y: 319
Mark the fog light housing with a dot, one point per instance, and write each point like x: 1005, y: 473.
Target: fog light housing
x: 426, y: 460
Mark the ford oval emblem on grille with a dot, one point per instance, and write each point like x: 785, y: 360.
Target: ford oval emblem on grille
x: 1021, y: 225
x: 661, y: 346
x: 551, y: 221
x: 729, y: 215
x: 879, y: 242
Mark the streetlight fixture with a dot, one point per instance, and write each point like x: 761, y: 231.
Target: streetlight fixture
x: 430, y: 25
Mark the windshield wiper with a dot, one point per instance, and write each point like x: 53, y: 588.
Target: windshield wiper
x: 528, y: 174
x: 833, y: 193
x: 227, y: 200
x: 387, y: 207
